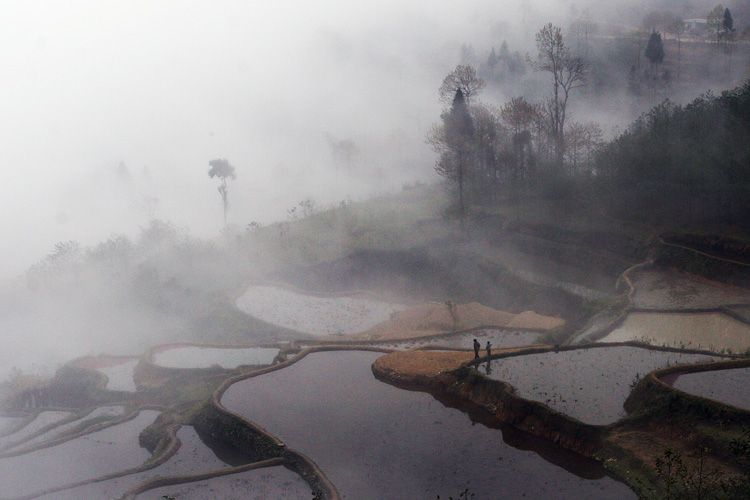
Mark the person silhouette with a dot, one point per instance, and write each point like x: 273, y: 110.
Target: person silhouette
x: 476, y: 349
x: 489, y: 348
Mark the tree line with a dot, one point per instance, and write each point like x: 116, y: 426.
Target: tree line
x: 675, y: 163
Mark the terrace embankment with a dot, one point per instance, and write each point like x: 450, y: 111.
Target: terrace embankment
x: 447, y: 373
x: 660, y: 417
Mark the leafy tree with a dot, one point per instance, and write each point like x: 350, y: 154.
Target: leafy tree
x: 463, y: 78
x: 568, y: 73
x: 222, y: 169
x: 655, y: 48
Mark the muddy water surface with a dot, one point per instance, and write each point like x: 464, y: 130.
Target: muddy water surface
x: 375, y: 441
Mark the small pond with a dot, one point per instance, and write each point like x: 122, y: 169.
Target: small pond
x: 499, y: 339
x: 714, y: 331
x: 591, y: 384
x: 375, y: 441
x: 109, y: 450
x: 726, y: 386
x: 205, y: 357
x: 312, y: 314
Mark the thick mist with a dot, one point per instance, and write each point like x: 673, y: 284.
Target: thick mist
x: 112, y: 113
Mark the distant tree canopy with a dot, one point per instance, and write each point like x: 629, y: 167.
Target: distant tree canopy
x: 655, y: 48
x: 685, y: 163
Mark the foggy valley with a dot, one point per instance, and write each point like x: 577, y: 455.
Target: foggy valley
x: 380, y: 250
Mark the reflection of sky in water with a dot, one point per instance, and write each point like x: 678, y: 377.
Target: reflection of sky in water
x: 376, y: 441
x: 312, y: 314
x: 590, y: 385
x: 204, y: 357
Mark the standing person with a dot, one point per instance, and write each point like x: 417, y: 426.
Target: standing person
x: 476, y: 349
x: 489, y: 349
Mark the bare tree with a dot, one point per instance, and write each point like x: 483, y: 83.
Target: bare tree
x: 676, y: 27
x: 463, y: 78
x: 222, y: 169
x: 568, y: 73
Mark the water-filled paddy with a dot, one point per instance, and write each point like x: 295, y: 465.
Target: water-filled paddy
x: 498, y: 339
x: 663, y: 288
x: 713, y: 331
x: 726, y: 386
x: 104, y: 411
x: 110, y: 450
x: 120, y: 375
x: 205, y: 357
x: 312, y: 314
x: 590, y: 385
x: 194, y: 456
x: 41, y: 421
x: 275, y: 483
x: 7, y: 424
x: 375, y: 441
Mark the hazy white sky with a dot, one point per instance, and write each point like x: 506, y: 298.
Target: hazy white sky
x: 165, y: 86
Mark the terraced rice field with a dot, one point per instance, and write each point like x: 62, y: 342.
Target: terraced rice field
x: 42, y: 420
x: 205, y: 357
x: 498, y: 338
x: 275, y: 483
x: 312, y: 314
x: 194, y: 456
x: 110, y: 450
x: 120, y: 375
x: 726, y: 386
x: 713, y: 331
x: 591, y: 384
x: 60, y: 430
x: 375, y: 441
